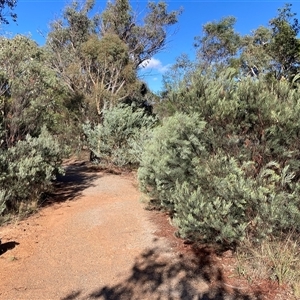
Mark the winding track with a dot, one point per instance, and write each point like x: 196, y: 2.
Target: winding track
x: 95, y: 241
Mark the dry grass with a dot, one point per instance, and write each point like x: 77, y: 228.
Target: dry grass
x: 278, y: 260
x: 27, y: 208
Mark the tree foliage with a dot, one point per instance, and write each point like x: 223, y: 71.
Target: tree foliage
x: 31, y: 100
x: 30, y: 92
x: 255, y: 59
x: 272, y: 50
x: 284, y: 47
x: 110, y: 72
x: 219, y: 42
x: 10, y: 4
x: 251, y: 119
x: 144, y: 39
x: 97, y: 57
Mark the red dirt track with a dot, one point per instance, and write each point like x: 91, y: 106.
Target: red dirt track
x: 96, y: 241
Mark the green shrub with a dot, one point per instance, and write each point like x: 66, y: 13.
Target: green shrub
x: 172, y: 155
x: 119, y: 140
x: 215, y: 197
x: 252, y: 119
x: 229, y: 205
x: 28, y: 169
x: 214, y: 210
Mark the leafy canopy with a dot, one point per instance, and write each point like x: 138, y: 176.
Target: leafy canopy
x: 10, y: 4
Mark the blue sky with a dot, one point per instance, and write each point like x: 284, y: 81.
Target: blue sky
x: 35, y: 16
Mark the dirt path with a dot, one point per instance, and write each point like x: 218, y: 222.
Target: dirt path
x: 99, y: 243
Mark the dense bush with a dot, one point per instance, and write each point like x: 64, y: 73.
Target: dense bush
x: 215, y: 197
x: 228, y: 205
x: 28, y: 169
x: 31, y: 93
x: 119, y: 139
x: 252, y: 119
x: 172, y: 155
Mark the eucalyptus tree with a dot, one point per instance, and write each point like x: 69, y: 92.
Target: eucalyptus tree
x: 272, y: 50
x: 97, y: 56
x: 64, y: 43
x: 254, y: 58
x: 284, y: 47
x: 219, y: 42
x: 178, y: 73
x: 144, y: 37
x: 108, y: 71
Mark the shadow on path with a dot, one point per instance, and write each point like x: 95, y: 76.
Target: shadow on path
x: 77, y: 178
x: 7, y: 246
x: 157, y: 274
x: 72, y: 296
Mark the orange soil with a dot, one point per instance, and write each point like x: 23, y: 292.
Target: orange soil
x: 96, y: 241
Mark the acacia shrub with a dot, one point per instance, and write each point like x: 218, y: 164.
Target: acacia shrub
x: 212, y: 196
x: 171, y: 156
x: 119, y: 139
x: 227, y: 205
x: 28, y: 170
x: 252, y: 119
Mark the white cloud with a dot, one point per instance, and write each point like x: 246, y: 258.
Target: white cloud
x: 154, y: 64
